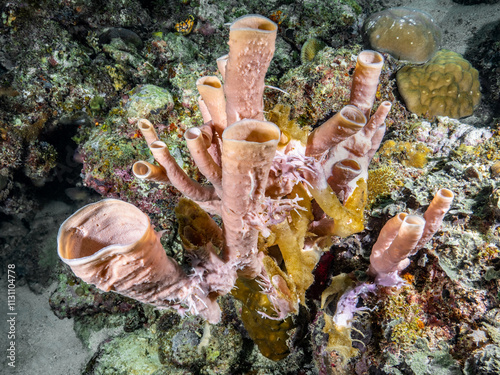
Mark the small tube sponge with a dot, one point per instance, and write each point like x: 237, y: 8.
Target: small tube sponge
x: 406, y: 34
x: 447, y: 85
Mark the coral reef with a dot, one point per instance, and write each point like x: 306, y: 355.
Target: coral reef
x: 407, y: 34
x: 75, y: 76
x: 445, y: 86
x: 269, y: 189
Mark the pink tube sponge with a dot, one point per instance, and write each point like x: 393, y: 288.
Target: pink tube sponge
x: 402, y: 236
x: 112, y: 245
x: 396, y: 241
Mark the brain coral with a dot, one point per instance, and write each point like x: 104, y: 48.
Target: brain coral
x: 406, y: 34
x: 310, y: 49
x: 447, y: 85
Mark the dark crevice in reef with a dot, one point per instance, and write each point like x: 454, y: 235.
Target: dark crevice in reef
x: 483, y: 52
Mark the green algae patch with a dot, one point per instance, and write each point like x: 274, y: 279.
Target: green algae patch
x: 135, y: 353
x: 147, y: 98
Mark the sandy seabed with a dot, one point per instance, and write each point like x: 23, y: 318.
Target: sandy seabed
x: 44, y: 343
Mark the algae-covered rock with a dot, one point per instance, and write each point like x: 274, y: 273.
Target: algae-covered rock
x: 486, y: 361
x: 447, y: 85
x: 74, y: 297
x: 188, y: 343
x: 127, y: 36
x: 147, y: 98
x: 179, y: 48
x: 424, y: 361
x: 317, y: 89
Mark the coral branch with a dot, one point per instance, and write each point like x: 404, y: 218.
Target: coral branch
x: 343, y: 172
x: 365, y: 80
x: 385, y: 260
x: 148, y: 131
x: 198, y: 148
x: 337, y: 129
x: 435, y: 213
x: 210, y: 89
x: 112, y: 245
x: 151, y: 172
